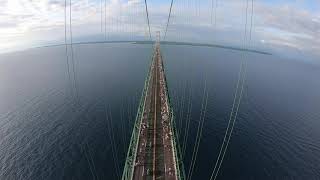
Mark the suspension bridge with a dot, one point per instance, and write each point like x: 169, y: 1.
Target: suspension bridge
x: 154, y: 150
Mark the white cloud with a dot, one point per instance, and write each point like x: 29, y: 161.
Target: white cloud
x: 281, y: 25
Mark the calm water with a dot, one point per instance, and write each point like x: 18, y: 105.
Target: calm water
x: 54, y: 128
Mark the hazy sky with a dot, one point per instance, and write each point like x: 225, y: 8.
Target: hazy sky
x: 290, y: 27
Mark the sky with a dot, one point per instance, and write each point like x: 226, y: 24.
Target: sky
x: 286, y: 27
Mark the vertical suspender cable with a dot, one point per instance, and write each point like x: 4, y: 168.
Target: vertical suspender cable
x: 235, y: 107
x: 65, y: 42
x: 89, y: 162
x: 182, y: 109
x: 199, y: 132
x: 101, y: 16
x: 214, y: 4
x: 211, y: 11
x: 111, y: 138
x: 189, y: 115
x: 105, y: 20
x: 242, y: 78
x: 72, y: 57
x: 114, y: 144
x: 243, y: 82
x: 123, y: 130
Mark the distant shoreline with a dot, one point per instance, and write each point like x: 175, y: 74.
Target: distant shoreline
x: 206, y: 45
x: 151, y: 42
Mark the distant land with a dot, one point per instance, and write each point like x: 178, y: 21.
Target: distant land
x: 166, y: 43
x: 206, y: 45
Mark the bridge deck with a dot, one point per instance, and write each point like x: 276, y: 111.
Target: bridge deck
x: 155, y: 156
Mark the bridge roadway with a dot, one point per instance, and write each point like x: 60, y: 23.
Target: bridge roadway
x: 155, y: 156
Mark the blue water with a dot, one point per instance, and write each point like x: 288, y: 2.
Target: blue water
x: 51, y: 130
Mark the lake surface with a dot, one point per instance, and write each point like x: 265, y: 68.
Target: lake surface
x: 53, y: 126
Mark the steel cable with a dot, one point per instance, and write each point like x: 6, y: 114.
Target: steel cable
x: 185, y: 140
x: 148, y: 21
x: 65, y: 42
x: 168, y: 21
x: 72, y: 55
x: 241, y: 79
x: 199, y: 132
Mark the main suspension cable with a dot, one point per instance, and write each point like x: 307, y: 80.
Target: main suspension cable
x: 168, y: 21
x: 148, y: 21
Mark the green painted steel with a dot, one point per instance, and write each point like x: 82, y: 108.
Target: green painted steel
x: 131, y: 154
x: 132, y: 151
x: 179, y: 166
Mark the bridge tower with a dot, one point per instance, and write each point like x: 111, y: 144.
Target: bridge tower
x: 158, y: 37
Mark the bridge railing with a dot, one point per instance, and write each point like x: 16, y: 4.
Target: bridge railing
x: 132, y: 151
x: 178, y: 153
